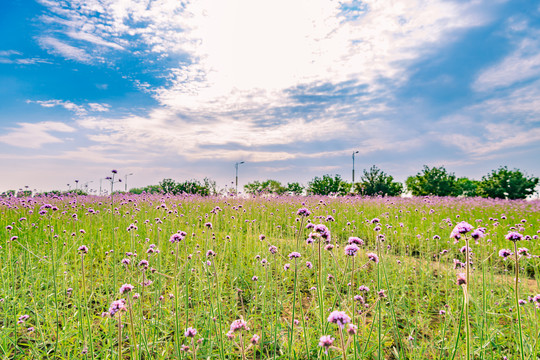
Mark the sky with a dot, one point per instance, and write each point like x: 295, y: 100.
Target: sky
x: 185, y: 89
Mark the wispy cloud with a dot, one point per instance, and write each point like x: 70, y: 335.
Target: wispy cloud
x: 58, y: 47
x: 520, y: 65
x: 34, y: 136
x: 80, y: 110
x: 16, y: 57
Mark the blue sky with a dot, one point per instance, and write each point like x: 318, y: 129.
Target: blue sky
x: 184, y: 89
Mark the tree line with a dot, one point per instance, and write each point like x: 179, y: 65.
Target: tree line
x: 436, y: 181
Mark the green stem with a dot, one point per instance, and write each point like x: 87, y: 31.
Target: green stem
x: 517, y: 302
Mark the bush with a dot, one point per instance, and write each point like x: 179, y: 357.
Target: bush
x: 507, y: 184
x: 376, y: 182
x: 328, y: 185
x: 433, y: 181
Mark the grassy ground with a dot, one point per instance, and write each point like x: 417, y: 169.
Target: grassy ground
x: 66, y: 293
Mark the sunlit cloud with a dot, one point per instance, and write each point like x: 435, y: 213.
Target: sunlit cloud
x: 34, y: 136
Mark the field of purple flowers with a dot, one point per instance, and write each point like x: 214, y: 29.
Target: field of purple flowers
x: 160, y: 277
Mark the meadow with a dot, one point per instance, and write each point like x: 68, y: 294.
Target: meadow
x: 189, y: 277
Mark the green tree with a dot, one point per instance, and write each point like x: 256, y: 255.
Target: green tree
x: 328, y: 185
x: 266, y: 187
x: 507, y: 184
x: 295, y: 188
x: 376, y: 182
x: 168, y: 186
x: 433, y: 181
x: 468, y: 187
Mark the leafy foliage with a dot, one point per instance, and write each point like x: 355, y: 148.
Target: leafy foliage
x: 376, y: 182
x: 508, y: 184
x: 433, y: 181
x: 468, y: 187
x: 328, y: 185
x: 265, y: 187
x: 295, y: 188
x: 169, y: 186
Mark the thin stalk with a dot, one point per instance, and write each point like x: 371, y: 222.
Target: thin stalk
x: 293, y: 308
x: 517, y: 302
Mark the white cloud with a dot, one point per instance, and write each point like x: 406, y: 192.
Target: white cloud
x: 79, y: 35
x: 80, y: 110
x: 522, y: 64
x: 34, y: 136
x: 69, y: 52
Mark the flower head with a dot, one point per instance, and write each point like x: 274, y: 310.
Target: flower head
x: 325, y: 342
x: 83, y: 249
x: 356, y: 240
x: 460, y: 229
x: 116, y: 306
x: 294, y: 255
x: 126, y: 288
x: 351, y: 249
x: 238, y: 325
x: 461, y: 279
x: 513, y: 236
x: 504, y: 253
x: 373, y: 257
x: 339, y: 317
x: 303, y: 212
x: 190, y: 332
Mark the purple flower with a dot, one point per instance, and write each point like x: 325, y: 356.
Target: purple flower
x: 116, y: 306
x: 177, y: 237
x: 286, y: 266
x: 303, y: 212
x: 504, y: 253
x: 294, y: 255
x: 442, y: 312
x: 126, y: 288
x: 272, y: 249
x: 523, y: 252
x: 309, y: 265
x: 373, y: 257
x: 375, y: 220
x: 478, y: 233
x: 190, y: 332
x: 461, y: 279
x: 238, y: 325
x: 83, y: 249
x: 513, y: 236
x: 351, y: 249
x: 363, y: 288
x: 325, y: 342
x: 382, y: 294
x: 254, y: 339
x: 210, y: 253
x: 461, y: 228
x: 352, y: 329
x: 208, y: 225
x: 339, y: 317
x: 356, y: 240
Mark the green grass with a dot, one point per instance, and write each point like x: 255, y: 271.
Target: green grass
x: 39, y: 267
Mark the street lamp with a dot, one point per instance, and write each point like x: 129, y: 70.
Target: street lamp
x: 236, y: 166
x: 355, y: 152
x: 76, y: 184
x: 125, y: 181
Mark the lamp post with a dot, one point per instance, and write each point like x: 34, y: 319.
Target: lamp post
x: 125, y: 180
x: 76, y: 184
x: 236, y: 166
x: 355, y: 152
